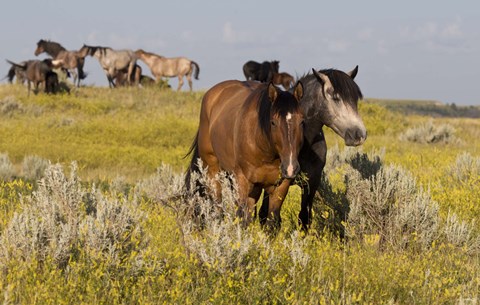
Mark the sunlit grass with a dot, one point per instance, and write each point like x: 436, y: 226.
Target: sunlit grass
x: 120, y: 137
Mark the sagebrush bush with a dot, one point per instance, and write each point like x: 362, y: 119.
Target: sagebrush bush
x: 7, y: 170
x: 466, y: 167
x: 33, y: 167
x: 62, y: 220
x: 9, y: 105
x: 385, y: 203
x: 390, y: 204
x: 428, y: 133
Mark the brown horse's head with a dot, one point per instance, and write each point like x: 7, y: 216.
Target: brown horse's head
x: 40, y: 47
x: 286, y: 127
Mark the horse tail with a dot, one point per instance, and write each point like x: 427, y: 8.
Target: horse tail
x: 193, y: 151
x: 23, y: 67
x: 197, y: 68
x: 11, y: 74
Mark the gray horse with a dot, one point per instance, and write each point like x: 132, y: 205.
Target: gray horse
x: 113, y: 61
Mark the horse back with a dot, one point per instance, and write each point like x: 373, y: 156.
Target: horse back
x: 220, y: 110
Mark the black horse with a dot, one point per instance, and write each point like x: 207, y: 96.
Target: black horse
x: 330, y: 99
x: 261, y: 72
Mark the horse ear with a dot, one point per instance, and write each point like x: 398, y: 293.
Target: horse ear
x: 272, y: 92
x: 354, y: 72
x: 323, y: 78
x: 298, y: 91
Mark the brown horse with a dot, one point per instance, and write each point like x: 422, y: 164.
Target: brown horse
x: 284, y: 79
x: 39, y: 72
x: 169, y: 67
x: 121, y: 77
x: 254, y: 131
x: 72, y: 61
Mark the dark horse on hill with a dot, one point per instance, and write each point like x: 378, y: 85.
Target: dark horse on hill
x: 39, y: 72
x: 261, y: 72
x: 72, y: 61
x: 284, y: 79
x: 253, y: 131
x: 330, y: 99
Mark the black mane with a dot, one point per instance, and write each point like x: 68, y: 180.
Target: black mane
x: 342, y: 83
x: 51, y: 47
x: 266, y: 109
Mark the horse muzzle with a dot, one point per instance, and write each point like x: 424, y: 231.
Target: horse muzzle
x: 355, y: 136
x: 290, y: 170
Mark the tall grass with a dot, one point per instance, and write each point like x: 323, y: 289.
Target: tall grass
x: 393, y: 222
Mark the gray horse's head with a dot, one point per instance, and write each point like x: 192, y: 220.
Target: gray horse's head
x: 339, y: 95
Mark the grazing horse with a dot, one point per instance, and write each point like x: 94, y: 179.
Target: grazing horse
x: 261, y: 72
x: 331, y: 99
x: 169, y: 67
x: 284, y: 79
x: 113, y: 61
x: 72, y: 61
x: 121, y: 76
x: 39, y: 71
x: 254, y: 131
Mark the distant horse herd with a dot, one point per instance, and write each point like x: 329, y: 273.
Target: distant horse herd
x: 121, y: 68
x: 251, y: 129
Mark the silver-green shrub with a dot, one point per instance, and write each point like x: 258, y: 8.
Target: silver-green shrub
x: 33, y: 167
x: 428, y: 133
x: 9, y: 105
x: 390, y: 204
x: 62, y: 219
x: 466, y: 167
x: 7, y: 170
x: 386, y: 202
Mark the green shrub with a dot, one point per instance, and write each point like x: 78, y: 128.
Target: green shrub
x: 33, y: 167
x: 429, y: 133
x: 62, y: 220
x: 465, y: 168
x: 7, y: 170
x: 385, y: 203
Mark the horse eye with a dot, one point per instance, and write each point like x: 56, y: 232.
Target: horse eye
x: 273, y: 123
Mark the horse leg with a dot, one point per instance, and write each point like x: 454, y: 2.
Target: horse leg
x: 180, y: 82
x: 131, y: 67
x: 246, y: 204
x: 312, y: 159
x: 189, y: 78
x: 35, y: 87
x: 75, y: 78
x: 276, y: 195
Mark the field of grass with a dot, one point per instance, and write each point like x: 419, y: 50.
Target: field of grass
x: 99, y: 225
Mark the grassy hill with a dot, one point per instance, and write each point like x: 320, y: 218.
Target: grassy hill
x: 394, y: 222
x: 428, y: 108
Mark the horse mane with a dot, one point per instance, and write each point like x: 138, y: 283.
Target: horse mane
x: 149, y: 53
x: 266, y: 108
x: 51, y: 47
x: 342, y: 83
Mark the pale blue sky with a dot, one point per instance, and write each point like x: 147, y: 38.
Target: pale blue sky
x: 406, y: 49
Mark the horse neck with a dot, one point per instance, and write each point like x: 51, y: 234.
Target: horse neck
x: 264, y: 135
x: 313, y: 104
x: 148, y: 59
x: 53, y: 49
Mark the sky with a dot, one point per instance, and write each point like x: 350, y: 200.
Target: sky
x: 422, y: 50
